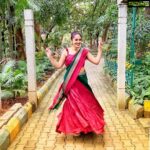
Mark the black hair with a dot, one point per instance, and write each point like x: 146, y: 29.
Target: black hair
x: 74, y: 33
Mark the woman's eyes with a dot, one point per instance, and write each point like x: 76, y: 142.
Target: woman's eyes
x: 77, y: 39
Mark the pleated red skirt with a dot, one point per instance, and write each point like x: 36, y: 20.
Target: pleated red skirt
x: 81, y: 112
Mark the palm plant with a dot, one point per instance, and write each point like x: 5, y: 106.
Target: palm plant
x: 13, y: 81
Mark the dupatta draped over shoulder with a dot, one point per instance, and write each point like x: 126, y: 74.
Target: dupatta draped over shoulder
x: 81, y: 111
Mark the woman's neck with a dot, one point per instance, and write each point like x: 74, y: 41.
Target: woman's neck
x: 74, y: 48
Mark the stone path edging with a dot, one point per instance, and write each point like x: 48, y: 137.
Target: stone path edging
x: 13, y: 120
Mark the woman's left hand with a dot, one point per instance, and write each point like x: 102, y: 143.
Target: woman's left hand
x: 100, y: 44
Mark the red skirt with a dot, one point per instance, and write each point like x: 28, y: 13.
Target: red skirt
x: 81, y: 112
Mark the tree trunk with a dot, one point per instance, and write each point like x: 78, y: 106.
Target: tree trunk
x: 38, y: 36
x: 147, y: 12
x: 104, y: 36
x: 0, y: 98
x: 10, y: 31
x: 1, y: 47
x: 10, y: 39
x: 97, y: 40
x: 20, y: 44
x: 3, y: 43
x: 91, y: 44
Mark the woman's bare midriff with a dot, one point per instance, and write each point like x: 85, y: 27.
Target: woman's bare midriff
x: 82, y: 70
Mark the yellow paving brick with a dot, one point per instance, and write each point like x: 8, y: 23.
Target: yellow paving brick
x: 30, y: 129
x: 23, y: 141
x: 30, y: 145
x: 121, y: 131
x: 68, y: 148
x: 120, y: 148
x: 40, y: 146
x: 124, y: 136
x: 118, y: 126
x: 49, y: 148
x: 60, y: 143
x: 11, y: 148
x: 109, y: 148
x: 50, y: 143
x: 99, y: 147
x: 28, y: 148
x: 28, y: 135
x: 108, y: 144
x: 145, y: 143
x: 79, y: 143
x: 52, y: 137
x: 46, y: 130
x: 127, y: 143
x: 140, y: 148
x: 59, y: 148
x: 86, y: 145
x: 116, y: 138
x: 20, y: 146
x: 107, y: 137
x: 112, y: 129
x: 69, y: 144
x: 34, y: 138
x: 114, y: 134
x: 44, y: 135
x: 118, y: 144
x: 33, y: 125
x: 89, y: 148
x: 130, y: 148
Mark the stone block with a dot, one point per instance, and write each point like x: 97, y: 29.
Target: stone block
x: 145, y: 122
x: 136, y: 110
x: 16, y: 107
x: 146, y: 114
x: 7, y: 115
x: 13, y: 127
x: 45, y: 88
x: 22, y: 115
x: 147, y: 108
x: 4, y: 139
x: 28, y: 108
x: 128, y: 98
x: 34, y: 106
x: 2, y: 123
x: 32, y: 97
x: 39, y: 95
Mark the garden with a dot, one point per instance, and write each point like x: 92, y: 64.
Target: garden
x: 138, y: 55
x: 93, y: 19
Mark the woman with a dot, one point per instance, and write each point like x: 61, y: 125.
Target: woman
x: 81, y: 112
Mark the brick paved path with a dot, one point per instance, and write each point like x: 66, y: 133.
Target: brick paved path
x: 121, y: 131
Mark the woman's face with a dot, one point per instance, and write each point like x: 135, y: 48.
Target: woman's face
x: 76, y: 41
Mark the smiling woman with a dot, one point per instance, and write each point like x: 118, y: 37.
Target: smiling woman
x: 81, y: 111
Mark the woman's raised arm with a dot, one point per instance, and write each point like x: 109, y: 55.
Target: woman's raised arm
x: 96, y: 60
x: 57, y: 64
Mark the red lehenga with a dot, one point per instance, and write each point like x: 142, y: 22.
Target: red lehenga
x: 81, y: 112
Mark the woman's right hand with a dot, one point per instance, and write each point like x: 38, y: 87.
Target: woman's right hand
x: 48, y: 52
